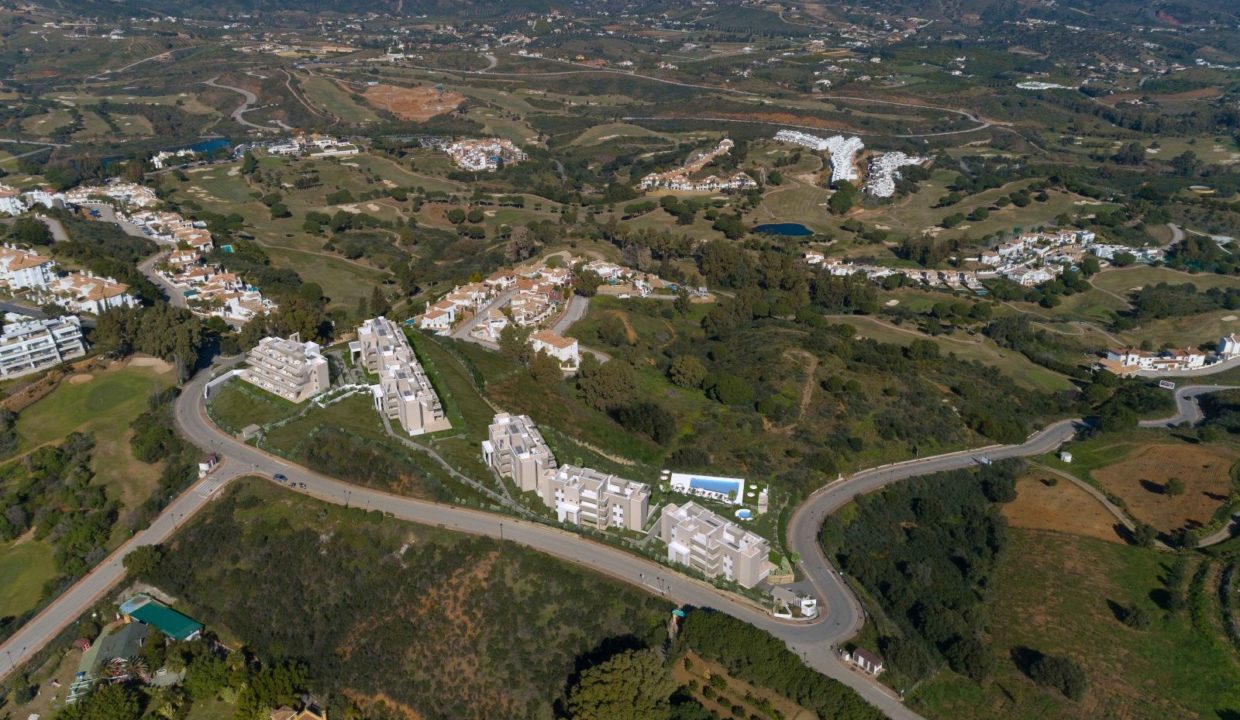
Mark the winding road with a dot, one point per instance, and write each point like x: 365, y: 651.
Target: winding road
x: 816, y: 641
x: 250, y: 99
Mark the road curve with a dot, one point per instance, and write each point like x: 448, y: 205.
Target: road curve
x: 1187, y: 409
x: 815, y: 641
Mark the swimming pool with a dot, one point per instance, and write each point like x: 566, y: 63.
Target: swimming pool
x: 744, y: 514
x: 718, y: 488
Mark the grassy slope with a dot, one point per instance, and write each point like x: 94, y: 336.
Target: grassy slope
x: 1053, y: 594
x: 24, y: 567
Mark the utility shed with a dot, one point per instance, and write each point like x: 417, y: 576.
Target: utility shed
x: 143, y: 609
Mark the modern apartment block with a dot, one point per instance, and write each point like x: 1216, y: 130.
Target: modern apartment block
x: 294, y: 370
x: 515, y: 449
x: 585, y: 496
x: 404, y: 392
x: 713, y: 545
x: 27, y: 347
x: 581, y: 496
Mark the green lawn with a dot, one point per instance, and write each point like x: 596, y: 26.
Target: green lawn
x: 104, y: 407
x: 239, y: 404
x: 1055, y: 594
x: 1123, y: 280
x: 24, y: 568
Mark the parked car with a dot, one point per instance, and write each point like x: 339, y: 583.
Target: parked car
x: 281, y: 478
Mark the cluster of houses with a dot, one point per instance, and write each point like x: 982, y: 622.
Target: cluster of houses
x: 681, y: 178
x: 485, y: 154
x: 14, y: 202
x: 315, y: 146
x: 28, y: 346
x: 885, y: 169
x: 1035, y: 258
x: 694, y: 535
x: 1130, y: 361
x: 843, y: 151
x: 526, y: 297
x: 404, y: 392
x: 35, y: 275
x: 209, y: 289
x: 967, y: 279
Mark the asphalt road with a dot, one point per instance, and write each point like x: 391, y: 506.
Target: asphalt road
x: 816, y: 641
x: 1187, y: 409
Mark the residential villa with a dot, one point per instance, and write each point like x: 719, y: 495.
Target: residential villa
x: 713, y: 545
x: 33, y: 345
x: 88, y: 293
x: 1129, y: 361
x: 404, y: 392
x: 564, y: 350
x: 294, y: 370
x: 21, y: 268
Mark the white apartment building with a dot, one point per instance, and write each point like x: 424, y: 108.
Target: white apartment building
x: 87, y: 293
x: 713, y: 545
x: 11, y: 202
x: 294, y: 370
x: 21, y: 269
x: 404, y: 393
x: 582, y: 496
x: 30, y: 346
x: 585, y: 496
x: 515, y: 449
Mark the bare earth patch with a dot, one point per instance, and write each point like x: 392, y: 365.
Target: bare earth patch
x: 412, y: 103
x: 1139, y: 480
x: 1063, y: 507
x: 80, y: 379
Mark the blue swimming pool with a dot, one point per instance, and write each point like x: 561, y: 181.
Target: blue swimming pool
x: 788, y: 229
x: 724, y: 487
x: 743, y: 514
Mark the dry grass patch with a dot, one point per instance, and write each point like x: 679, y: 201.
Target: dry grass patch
x: 1141, y: 478
x: 1047, y: 502
x: 419, y: 103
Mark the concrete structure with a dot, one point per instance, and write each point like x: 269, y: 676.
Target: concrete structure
x: 30, y: 346
x: 717, y: 547
x: 515, y: 449
x: 294, y: 370
x: 588, y: 497
x: 865, y: 660
x: 1228, y: 347
x: 404, y: 392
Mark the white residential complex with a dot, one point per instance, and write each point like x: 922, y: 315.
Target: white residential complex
x: 884, y: 169
x: 84, y: 292
x: 713, y: 545
x: 579, y: 495
x: 563, y: 349
x: 294, y: 370
x: 843, y: 151
x: 33, y: 345
x: 404, y: 392
x: 485, y: 155
x: 679, y: 178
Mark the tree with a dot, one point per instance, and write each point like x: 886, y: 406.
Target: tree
x: 1061, y: 673
x: 109, y: 702
x: 606, y: 386
x: 844, y: 198
x: 730, y: 389
x: 456, y: 216
x: 379, y: 304
x: 142, y: 560
x: 1174, y: 487
x: 512, y: 342
x: 249, y: 163
x: 634, y: 685
x: 30, y: 231
x: 687, y: 371
x: 544, y: 369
